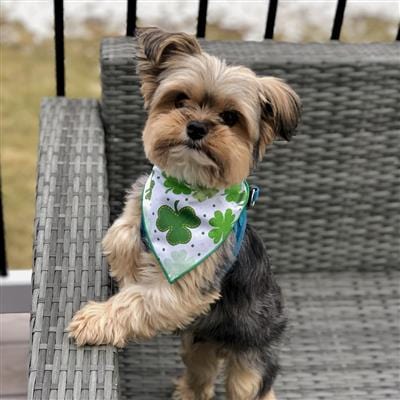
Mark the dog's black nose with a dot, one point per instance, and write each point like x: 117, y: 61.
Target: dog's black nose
x: 196, y: 130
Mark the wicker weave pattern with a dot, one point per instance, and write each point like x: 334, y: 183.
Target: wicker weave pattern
x: 71, y: 218
x: 329, y: 215
x: 330, y: 198
x: 123, y: 115
x: 344, y: 338
x: 342, y: 344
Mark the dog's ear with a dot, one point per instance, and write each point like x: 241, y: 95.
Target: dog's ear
x: 155, y: 49
x: 280, y: 112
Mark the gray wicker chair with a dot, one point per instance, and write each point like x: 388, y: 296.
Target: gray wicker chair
x: 329, y: 214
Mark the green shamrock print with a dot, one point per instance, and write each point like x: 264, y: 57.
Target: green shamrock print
x: 178, y: 262
x: 222, y: 225
x: 176, y: 186
x: 177, y: 223
x: 149, y: 191
x: 236, y: 194
x: 201, y: 194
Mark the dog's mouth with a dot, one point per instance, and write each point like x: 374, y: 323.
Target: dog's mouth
x: 201, y: 148
x: 194, y: 145
x: 172, y: 146
x: 176, y: 148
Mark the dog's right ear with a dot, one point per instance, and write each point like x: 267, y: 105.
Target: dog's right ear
x: 155, y: 48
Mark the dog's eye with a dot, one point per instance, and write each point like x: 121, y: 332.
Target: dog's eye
x: 180, y: 100
x: 229, y: 117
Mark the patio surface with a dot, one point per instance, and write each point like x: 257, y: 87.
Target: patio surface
x: 14, y: 348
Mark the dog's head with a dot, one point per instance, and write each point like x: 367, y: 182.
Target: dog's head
x: 208, y: 123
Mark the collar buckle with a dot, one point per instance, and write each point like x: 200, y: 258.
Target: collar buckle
x: 253, y: 196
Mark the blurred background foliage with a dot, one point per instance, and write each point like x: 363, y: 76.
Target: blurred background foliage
x: 27, y: 75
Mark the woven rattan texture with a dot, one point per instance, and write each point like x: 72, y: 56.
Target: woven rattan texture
x: 330, y: 206
x: 343, y: 342
x: 329, y: 214
x: 72, y: 215
x: 330, y: 198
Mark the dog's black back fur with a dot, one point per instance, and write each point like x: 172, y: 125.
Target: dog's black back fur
x: 249, y: 317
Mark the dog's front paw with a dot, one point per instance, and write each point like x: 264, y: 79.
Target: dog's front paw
x: 93, y: 325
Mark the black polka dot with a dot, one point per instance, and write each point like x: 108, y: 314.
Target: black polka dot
x: 152, y: 213
x: 158, y: 177
x: 158, y: 239
x: 204, y: 215
x: 167, y: 198
x: 213, y: 205
x: 192, y: 245
x: 203, y: 233
x: 199, y: 254
x: 163, y: 249
x: 186, y: 199
x: 155, y: 231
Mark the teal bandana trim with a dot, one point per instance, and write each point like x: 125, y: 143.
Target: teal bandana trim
x: 184, y: 224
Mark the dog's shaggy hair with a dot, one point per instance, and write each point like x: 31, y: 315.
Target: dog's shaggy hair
x: 228, y: 308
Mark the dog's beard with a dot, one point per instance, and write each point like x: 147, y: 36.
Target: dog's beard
x: 188, y: 160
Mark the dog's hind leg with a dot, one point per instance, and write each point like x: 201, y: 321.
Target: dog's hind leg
x: 270, y: 396
x: 249, y: 377
x: 202, y: 364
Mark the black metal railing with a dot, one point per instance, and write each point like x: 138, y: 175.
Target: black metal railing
x: 131, y: 19
x: 59, y: 46
x: 3, y: 258
x: 271, y: 16
x: 131, y: 10
x: 338, y: 21
x: 202, y: 19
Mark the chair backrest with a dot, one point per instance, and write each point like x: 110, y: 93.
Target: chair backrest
x: 331, y: 197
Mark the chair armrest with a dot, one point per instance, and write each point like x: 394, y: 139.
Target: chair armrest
x: 72, y: 215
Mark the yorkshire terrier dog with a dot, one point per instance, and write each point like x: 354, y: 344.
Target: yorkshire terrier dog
x: 181, y: 251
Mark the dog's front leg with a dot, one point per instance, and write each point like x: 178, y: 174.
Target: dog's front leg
x: 140, y: 311
x: 122, y: 243
x: 113, y: 321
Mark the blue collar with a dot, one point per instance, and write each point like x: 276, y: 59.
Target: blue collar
x: 241, y: 223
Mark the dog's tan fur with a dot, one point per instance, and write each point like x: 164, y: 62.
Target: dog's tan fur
x: 170, y: 64
x: 270, y: 396
x: 243, y: 379
x: 232, y: 88
x: 146, y: 303
x: 203, y: 361
x: 211, y: 86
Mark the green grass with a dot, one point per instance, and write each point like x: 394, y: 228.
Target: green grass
x: 25, y: 72
x: 27, y: 75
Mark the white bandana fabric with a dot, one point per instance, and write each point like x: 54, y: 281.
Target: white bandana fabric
x: 184, y: 224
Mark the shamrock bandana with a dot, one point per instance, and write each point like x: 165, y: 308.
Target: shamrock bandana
x: 185, y: 224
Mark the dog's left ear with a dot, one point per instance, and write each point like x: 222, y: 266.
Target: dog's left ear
x: 280, y: 112
x: 156, y: 48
